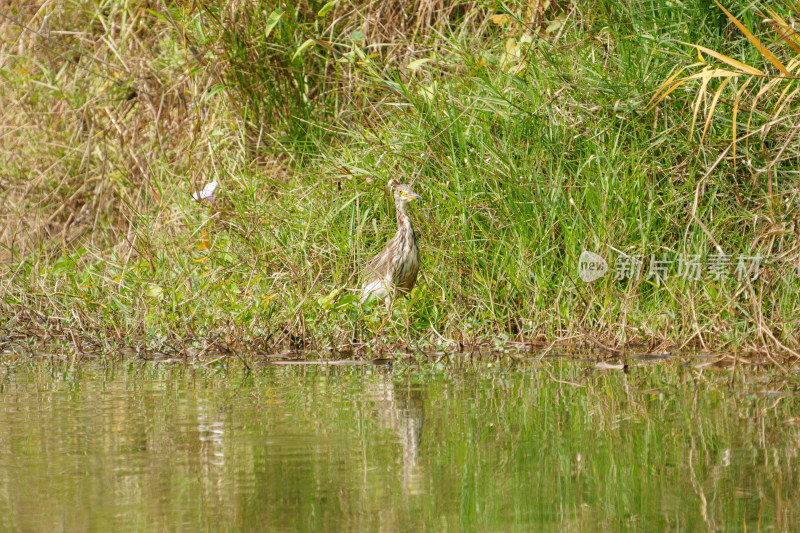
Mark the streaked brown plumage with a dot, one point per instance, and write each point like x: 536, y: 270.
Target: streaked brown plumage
x: 394, y: 270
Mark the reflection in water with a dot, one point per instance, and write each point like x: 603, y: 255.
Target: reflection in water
x: 165, y: 448
x: 211, y: 433
x: 401, y: 406
x: 211, y: 454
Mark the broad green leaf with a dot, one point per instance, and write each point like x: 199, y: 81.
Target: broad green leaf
x: 349, y: 299
x: 327, y: 301
x: 272, y: 21
x: 414, y: 65
x: 154, y: 291
x: 327, y: 7
x: 302, y: 48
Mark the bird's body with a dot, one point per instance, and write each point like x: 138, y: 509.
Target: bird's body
x: 394, y: 270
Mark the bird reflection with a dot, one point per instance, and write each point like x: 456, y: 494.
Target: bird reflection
x: 401, y: 407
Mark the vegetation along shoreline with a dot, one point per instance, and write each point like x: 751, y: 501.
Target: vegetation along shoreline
x: 607, y: 175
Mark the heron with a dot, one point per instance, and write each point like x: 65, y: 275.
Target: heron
x: 394, y: 270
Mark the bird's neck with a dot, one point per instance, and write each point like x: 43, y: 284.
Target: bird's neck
x: 403, y: 220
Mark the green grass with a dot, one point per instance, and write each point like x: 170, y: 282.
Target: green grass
x: 525, y: 162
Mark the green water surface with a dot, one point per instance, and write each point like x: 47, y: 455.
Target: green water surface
x: 464, y: 446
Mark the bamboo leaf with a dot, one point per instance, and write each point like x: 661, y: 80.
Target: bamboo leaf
x: 750, y: 37
x: 214, y: 90
x: 716, y: 73
x: 729, y: 60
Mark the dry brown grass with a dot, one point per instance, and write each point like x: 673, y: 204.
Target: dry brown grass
x: 100, y: 113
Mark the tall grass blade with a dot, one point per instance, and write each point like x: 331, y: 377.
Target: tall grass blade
x: 701, y: 96
x: 752, y: 38
x: 736, y: 113
x: 713, y: 107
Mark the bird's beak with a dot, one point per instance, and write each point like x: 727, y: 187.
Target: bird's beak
x: 415, y: 196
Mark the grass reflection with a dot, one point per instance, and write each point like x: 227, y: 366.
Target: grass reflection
x: 466, y: 447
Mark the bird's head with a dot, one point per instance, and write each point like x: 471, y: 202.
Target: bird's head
x: 404, y: 195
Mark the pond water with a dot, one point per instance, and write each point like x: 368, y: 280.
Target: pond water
x: 466, y: 446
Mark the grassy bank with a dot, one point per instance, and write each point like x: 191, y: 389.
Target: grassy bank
x: 528, y: 128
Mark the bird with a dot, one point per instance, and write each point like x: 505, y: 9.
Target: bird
x: 394, y: 270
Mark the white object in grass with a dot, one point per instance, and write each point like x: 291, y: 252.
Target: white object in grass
x: 207, y: 193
